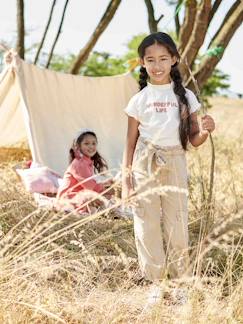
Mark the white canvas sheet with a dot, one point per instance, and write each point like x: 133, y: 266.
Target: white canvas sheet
x: 49, y: 108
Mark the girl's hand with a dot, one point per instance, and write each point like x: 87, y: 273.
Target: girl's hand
x: 207, y: 124
x: 111, y: 191
x: 127, y: 186
x: 8, y: 57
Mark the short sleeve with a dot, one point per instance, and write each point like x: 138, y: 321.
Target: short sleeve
x: 132, y: 108
x: 193, y: 102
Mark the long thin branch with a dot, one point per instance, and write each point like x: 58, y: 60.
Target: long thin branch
x: 214, y: 9
x: 20, y: 28
x: 212, y: 167
x: 226, y: 18
x: 45, y: 32
x: 58, y: 34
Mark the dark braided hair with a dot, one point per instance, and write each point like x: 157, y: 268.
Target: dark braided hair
x: 166, y: 41
x: 99, y: 163
x: 143, y: 76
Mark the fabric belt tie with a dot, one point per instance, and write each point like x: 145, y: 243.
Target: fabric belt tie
x: 154, y: 153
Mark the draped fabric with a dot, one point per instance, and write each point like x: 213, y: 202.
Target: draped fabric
x: 46, y: 109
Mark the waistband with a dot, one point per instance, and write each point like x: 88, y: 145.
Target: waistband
x: 156, y: 153
x: 146, y: 144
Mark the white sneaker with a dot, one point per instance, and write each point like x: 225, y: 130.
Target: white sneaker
x: 127, y: 212
x: 180, y: 296
x: 154, y: 295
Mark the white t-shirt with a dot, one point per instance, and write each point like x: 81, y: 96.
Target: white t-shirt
x: 157, y: 110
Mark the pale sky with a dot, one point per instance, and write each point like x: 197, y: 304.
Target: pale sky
x: 130, y: 19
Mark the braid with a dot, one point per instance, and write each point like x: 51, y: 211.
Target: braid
x: 184, y: 127
x: 143, y: 76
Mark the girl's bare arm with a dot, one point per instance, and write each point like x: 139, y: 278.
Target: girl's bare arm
x: 132, y: 136
x: 197, y: 135
x: 131, y: 140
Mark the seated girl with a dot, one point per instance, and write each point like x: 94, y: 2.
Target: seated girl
x: 79, y: 188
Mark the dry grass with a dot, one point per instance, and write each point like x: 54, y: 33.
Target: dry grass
x: 62, y: 269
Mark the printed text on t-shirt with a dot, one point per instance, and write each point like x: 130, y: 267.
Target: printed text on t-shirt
x: 161, y: 106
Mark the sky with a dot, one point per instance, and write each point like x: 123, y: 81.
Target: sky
x: 82, y: 16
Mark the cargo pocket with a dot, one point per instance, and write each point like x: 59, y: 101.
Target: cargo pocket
x: 140, y: 162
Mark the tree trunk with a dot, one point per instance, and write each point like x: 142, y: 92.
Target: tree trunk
x: 153, y: 23
x: 20, y: 29
x: 223, y: 38
x: 231, y: 10
x: 57, y: 36
x: 104, y: 22
x: 215, y: 7
x: 188, y: 23
x: 197, y: 37
x: 45, y: 32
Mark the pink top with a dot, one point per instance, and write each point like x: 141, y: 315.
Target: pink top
x: 79, y: 170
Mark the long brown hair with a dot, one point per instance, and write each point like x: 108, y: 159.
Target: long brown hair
x: 99, y: 162
x: 165, y: 40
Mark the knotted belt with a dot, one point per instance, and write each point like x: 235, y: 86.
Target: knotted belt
x: 154, y: 152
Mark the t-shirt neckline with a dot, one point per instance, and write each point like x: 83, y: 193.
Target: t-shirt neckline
x: 166, y: 86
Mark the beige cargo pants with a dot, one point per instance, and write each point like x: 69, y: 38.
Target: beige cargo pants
x: 160, y: 180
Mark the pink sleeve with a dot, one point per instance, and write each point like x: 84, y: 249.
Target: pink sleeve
x: 81, y: 171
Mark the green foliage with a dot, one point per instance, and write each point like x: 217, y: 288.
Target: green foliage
x: 61, y: 63
x: 217, y: 82
x: 100, y: 64
x: 132, y: 46
x: 103, y: 63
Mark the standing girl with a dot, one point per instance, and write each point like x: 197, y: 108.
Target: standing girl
x: 162, y: 119
x: 79, y: 185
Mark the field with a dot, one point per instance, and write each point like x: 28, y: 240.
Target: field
x: 63, y: 269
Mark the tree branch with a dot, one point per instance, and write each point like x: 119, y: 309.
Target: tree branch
x: 216, y: 4
x: 58, y: 34
x: 177, y: 21
x: 229, y: 13
x: 20, y: 29
x: 223, y: 38
x: 198, y: 35
x: 45, y: 32
x: 160, y: 17
x: 105, y: 20
x: 153, y: 23
x: 188, y: 23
